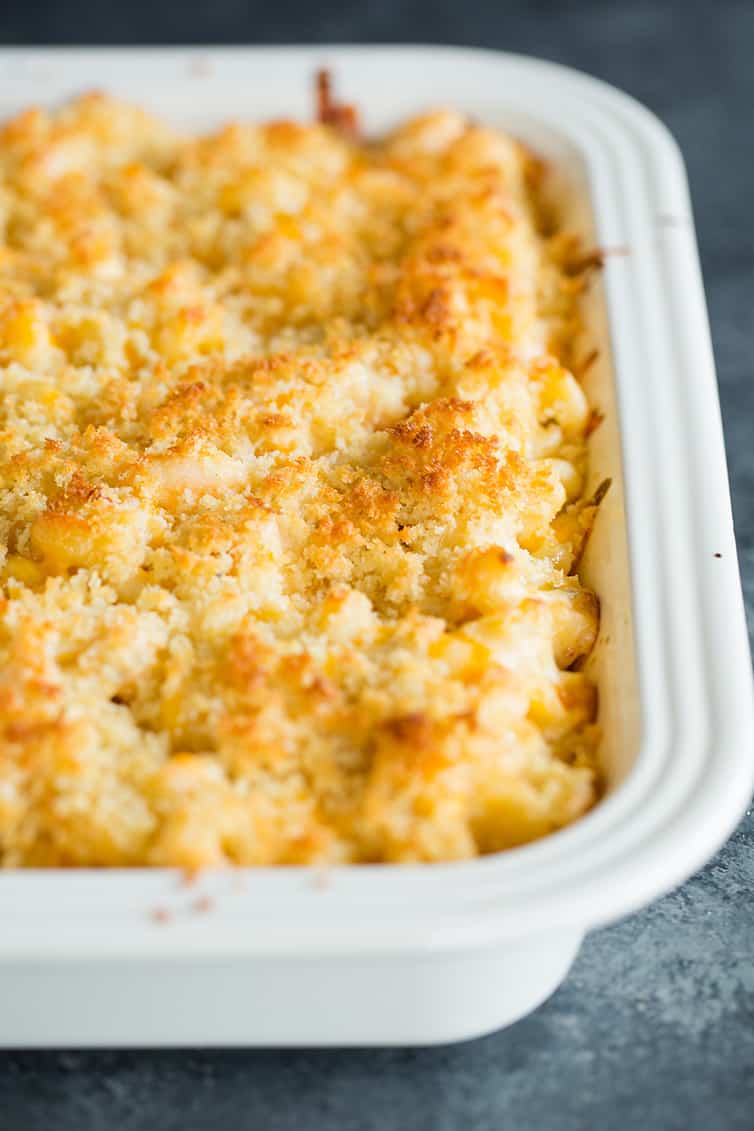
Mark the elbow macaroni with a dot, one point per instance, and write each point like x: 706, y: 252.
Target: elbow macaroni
x: 291, y: 473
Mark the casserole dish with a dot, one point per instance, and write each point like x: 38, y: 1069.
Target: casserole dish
x: 380, y: 954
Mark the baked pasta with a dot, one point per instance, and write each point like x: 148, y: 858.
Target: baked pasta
x: 291, y: 495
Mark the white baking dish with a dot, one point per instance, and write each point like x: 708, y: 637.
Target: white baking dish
x: 441, y: 952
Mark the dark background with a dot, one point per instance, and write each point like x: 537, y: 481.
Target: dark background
x: 654, y: 1028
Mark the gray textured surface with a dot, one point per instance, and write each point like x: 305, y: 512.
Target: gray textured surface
x: 654, y: 1028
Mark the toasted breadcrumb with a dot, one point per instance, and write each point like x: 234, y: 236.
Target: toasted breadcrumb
x: 291, y: 496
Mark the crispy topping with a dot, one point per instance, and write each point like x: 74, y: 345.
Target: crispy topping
x: 292, y: 492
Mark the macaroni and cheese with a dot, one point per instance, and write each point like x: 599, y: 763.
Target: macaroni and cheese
x: 292, y: 463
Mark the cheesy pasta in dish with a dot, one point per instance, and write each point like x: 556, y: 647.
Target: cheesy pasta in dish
x: 292, y: 470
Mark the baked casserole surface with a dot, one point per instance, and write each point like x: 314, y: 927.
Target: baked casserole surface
x: 292, y: 495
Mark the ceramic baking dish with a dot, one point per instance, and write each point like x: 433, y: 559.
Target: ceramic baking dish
x: 386, y: 954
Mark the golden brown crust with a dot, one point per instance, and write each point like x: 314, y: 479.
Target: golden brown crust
x: 291, y: 492
x: 331, y: 113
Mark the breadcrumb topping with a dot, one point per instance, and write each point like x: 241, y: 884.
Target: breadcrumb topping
x: 291, y: 496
